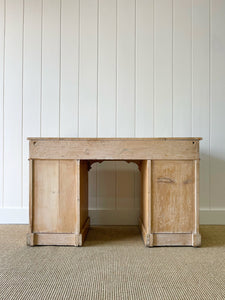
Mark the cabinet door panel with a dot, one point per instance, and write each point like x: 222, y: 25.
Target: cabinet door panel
x: 54, y: 196
x: 172, y: 196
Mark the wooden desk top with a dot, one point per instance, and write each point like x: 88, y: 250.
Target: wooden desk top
x: 181, y: 148
x: 114, y: 139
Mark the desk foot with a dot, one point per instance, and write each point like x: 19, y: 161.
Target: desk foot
x: 84, y: 231
x: 30, y: 239
x: 54, y: 239
x: 59, y: 239
x: 147, y: 237
x: 176, y: 239
x: 169, y: 239
x: 196, y: 239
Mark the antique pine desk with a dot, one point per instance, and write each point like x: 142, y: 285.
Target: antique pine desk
x: 58, y: 207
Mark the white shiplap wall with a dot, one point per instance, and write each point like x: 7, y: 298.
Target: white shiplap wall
x: 111, y: 68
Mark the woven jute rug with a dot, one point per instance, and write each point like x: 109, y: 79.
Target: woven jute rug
x: 113, y: 264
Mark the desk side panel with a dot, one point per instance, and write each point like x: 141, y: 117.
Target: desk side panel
x: 83, y: 193
x: 145, y: 194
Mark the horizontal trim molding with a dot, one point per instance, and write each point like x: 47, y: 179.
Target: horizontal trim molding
x: 212, y: 217
x: 14, y: 216
x: 108, y: 217
x: 114, y: 216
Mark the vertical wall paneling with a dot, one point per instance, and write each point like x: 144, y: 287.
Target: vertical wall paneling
x: 163, y: 12
x: 88, y: 68
x: 201, y: 87
x: 126, y: 68
x: 106, y: 98
x: 107, y: 68
x: 144, y: 68
x: 125, y: 185
x: 31, y: 83
x: 106, y: 185
x: 50, y: 68
x: 2, y: 51
x: 217, y: 133
x: 111, y: 68
x: 13, y: 104
x: 126, y: 73
x: 69, y: 68
x: 88, y: 82
x: 182, y: 72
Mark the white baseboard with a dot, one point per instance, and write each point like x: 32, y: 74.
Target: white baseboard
x: 114, y: 217
x: 108, y: 217
x: 14, y: 215
x: 212, y: 217
x: 129, y: 217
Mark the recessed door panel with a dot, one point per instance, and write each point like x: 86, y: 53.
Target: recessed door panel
x: 172, y: 196
x: 54, y: 196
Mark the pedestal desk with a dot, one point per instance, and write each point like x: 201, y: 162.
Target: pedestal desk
x: 58, y: 206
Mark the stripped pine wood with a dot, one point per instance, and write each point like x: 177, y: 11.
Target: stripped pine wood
x: 169, y: 212
x: 196, y: 197
x: 54, y: 197
x: 145, y: 235
x: 55, y: 239
x: 145, y: 195
x: 83, y: 193
x: 67, y: 196
x: 114, y: 149
x: 84, y: 231
x: 177, y: 239
x: 46, y: 192
x: 173, y: 196
x: 31, y: 186
x: 146, y: 211
x: 77, y: 193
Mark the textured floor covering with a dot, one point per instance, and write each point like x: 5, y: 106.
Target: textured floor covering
x: 113, y: 264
